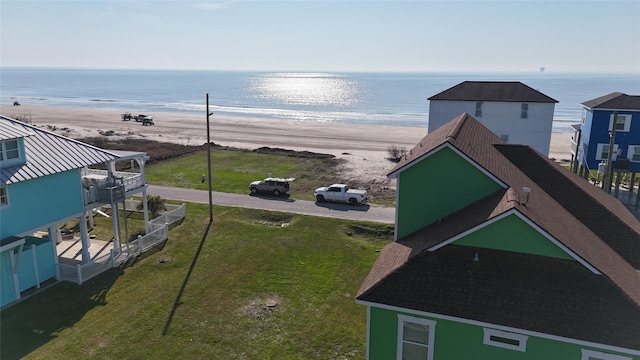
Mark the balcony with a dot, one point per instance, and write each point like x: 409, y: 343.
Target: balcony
x: 98, y: 189
x: 573, y: 146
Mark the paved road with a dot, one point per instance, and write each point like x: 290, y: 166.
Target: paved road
x: 343, y: 211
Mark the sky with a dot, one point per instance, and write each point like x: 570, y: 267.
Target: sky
x: 366, y: 36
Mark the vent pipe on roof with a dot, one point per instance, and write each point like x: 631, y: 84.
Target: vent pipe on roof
x: 527, y: 191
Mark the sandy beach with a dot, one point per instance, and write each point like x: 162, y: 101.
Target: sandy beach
x: 364, y: 147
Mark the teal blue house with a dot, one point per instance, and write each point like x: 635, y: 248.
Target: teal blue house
x: 500, y: 253
x: 47, y: 180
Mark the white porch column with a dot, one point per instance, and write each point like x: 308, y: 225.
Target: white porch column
x: 84, y: 238
x: 53, y: 237
x: 115, y: 217
x: 145, y: 208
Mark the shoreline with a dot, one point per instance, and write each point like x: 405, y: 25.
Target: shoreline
x: 364, y: 147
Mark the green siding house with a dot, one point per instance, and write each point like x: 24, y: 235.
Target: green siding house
x: 500, y: 253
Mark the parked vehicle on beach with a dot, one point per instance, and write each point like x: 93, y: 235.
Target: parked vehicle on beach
x: 275, y: 186
x: 147, y: 121
x: 142, y: 117
x: 341, y: 193
x: 127, y: 116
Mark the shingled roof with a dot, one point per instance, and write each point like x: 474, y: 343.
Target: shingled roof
x: 503, y: 91
x: 47, y: 153
x: 591, y: 226
x: 616, y: 100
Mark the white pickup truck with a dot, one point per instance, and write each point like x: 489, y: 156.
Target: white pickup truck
x: 341, y: 193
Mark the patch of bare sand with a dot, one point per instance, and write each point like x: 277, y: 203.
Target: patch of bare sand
x: 364, y: 147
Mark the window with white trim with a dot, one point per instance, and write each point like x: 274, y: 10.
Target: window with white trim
x: 597, y: 355
x: 4, y: 196
x: 478, y: 109
x: 415, y: 338
x: 9, y: 150
x: 524, y: 111
x: 623, y: 122
x: 602, y: 152
x: 633, y: 153
x: 506, y: 340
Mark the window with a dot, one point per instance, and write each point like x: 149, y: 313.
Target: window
x: 415, y: 338
x: 505, y: 339
x: 9, y: 150
x: 504, y: 138
x: 634, y: 153
x: 524, y: 111
x: 478, y: 109
x: 597, y: 355
x: 4, y: 197
x: 623, y: 122
x: 602, y: 152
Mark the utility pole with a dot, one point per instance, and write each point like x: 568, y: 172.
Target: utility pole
x: 209, y: 163
x: 612, y: 137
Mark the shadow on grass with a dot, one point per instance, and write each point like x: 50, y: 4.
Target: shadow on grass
x: 186, y: 280
x: 34, y: 321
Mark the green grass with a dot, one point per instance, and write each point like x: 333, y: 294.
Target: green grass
x: 203, y: 297
x: 233, y: 170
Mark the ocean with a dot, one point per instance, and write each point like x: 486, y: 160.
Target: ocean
x: 398, y: 99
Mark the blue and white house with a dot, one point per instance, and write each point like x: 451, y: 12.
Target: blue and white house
x: 512, y: 110
x: 47, y: 180
x: 590, y: 144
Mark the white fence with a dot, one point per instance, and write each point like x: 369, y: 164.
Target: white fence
x: 159, y: 232
x: 80, y: 273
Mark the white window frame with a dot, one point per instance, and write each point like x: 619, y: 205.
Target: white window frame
x: 524, y: 111
x: 4, y: 196
x: 600, y: 148
x: 592, y: 355
x: 490, y: 334
x: 479, y: 105
x: 3, y: 151
x: 626, y: 118
x: 430, y: 324
x: 631, y: 152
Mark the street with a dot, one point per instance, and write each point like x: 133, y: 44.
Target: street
x: 343, y: 211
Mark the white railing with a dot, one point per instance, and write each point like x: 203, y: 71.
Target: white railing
x: 94, y: 180
x: 80, y: 273
x: 153, y: 238
x: 173, y: 214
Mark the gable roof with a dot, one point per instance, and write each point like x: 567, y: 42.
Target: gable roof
x: 595, y: 227
x: 47, y: 153
x: 503, y: 91
x: 616, y: 100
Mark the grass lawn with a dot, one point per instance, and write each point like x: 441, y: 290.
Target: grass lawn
x: 233, y: 170
x: 203, y: 297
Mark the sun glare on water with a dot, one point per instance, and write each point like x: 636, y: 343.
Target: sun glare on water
x: 306, y: 89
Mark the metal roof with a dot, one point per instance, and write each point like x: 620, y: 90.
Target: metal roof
x: 46, y: 153
x: 10, y: 131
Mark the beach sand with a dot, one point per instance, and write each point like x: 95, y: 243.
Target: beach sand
x: 364, y: 147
